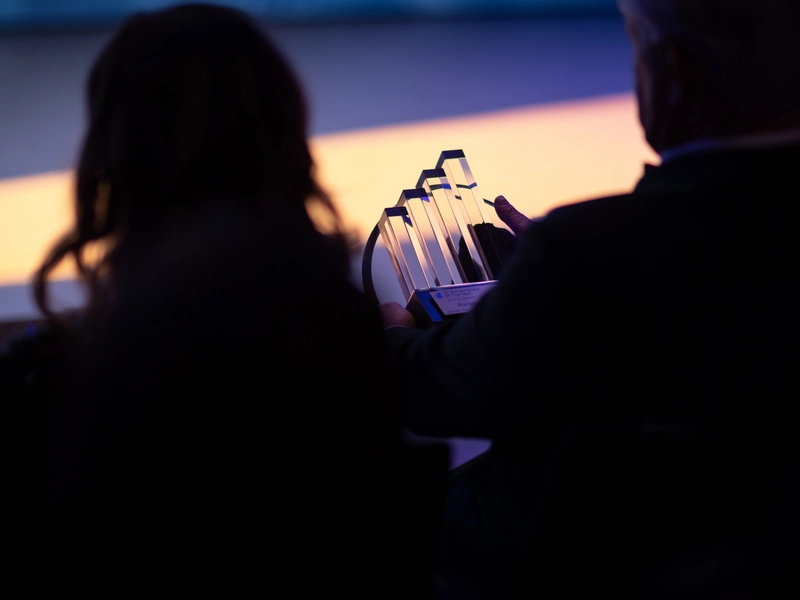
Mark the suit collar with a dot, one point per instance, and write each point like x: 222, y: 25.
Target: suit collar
x: 715, y: 166
x: 745, y: 142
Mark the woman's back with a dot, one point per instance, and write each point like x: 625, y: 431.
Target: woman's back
x: 230, y: 421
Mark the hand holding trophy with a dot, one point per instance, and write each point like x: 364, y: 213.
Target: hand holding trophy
x: 442, y: 242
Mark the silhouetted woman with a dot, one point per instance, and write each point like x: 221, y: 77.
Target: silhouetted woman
x: 225, y: 421
x: 190, y: 109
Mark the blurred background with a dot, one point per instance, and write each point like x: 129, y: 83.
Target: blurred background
x: 536, y: 92
x: 18, y: 14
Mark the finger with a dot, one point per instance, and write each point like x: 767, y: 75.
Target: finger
x: 516, y: 221
x: 394, y: 315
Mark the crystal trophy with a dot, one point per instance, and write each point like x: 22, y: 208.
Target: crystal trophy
x: 443, y: 243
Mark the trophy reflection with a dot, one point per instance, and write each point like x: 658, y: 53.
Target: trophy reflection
x: 443, y: 243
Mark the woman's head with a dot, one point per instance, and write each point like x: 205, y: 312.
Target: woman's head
x: 189, y: 108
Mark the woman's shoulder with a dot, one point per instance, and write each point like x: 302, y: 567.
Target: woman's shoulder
x: 31, y: 356
x: 22, y: 343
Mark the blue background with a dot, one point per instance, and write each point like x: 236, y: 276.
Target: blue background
x: 28, y: 14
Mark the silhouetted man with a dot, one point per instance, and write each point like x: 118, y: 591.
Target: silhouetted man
x: 674, y: 303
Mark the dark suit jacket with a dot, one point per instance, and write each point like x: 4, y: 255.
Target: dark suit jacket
x: 676, y: 302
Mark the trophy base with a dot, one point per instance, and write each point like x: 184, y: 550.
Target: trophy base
x: 443, y: 303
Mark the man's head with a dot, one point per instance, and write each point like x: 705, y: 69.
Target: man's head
x: 714, y: 68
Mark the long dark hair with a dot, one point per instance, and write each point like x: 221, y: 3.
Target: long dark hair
x: 189, y: 107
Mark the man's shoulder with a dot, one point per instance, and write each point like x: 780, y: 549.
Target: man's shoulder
x: 615, y: 225
x: 618, y: 203
x: 592, y: 216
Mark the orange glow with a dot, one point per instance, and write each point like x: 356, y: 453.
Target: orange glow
x: 538, y: 157
x: 34, y: 211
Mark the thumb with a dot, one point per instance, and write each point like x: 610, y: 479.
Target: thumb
x: 516, y: 221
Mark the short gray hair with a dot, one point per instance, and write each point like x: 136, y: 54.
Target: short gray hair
x: 755, y: 42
